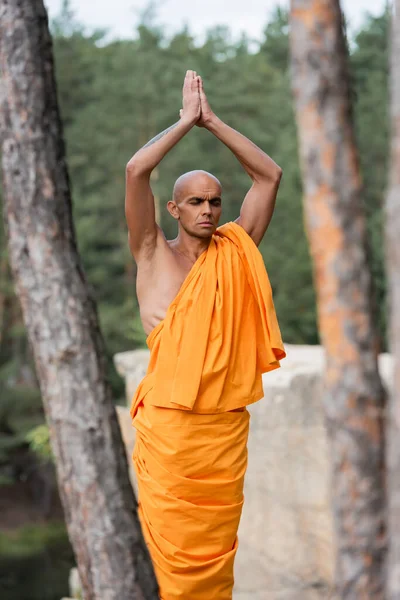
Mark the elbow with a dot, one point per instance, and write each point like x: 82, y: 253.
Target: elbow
x: 135, y: 167
x: 270, y: 177
x: 277, y: 174
x: 274, y: 177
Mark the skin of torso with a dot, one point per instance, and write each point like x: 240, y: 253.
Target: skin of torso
x: 159, y: 279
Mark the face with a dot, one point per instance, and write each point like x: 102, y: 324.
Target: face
x: 198, y: 207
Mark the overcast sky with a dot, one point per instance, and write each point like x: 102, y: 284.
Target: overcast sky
x: 120, y: 16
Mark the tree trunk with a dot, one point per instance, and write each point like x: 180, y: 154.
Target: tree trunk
x: 61, y: 317
x: 392, y: 223
x: 354, y: 399
x: 3, y: 293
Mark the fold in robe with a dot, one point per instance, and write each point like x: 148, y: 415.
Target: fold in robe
x: 207, y: 356
x: 190, y: 471
x: 220, y: 332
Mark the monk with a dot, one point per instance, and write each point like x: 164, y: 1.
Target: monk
x: 207, y: 309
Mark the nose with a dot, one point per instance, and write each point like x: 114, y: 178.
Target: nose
x: 206, y: 208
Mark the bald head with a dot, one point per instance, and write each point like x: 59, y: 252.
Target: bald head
x: 196, y: 203
x: 195, y: 182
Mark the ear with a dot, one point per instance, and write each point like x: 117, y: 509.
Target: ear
x: 173, y: 209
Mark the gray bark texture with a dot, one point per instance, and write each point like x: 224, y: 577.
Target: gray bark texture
x: 61, y: 318
x: 354, y: 398
x: 392, y: 239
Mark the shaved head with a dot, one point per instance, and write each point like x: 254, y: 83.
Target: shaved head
x: 196, y: 204
x: 191, y: 181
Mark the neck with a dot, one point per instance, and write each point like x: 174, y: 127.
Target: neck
x: 190, y: 246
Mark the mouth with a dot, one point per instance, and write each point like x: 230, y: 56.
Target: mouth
x: 206, y: 224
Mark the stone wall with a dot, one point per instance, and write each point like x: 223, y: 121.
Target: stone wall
x: 286, y: 544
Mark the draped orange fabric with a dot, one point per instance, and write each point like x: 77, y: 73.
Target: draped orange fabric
x: 220, y: 333
x: 207, y: 356
x: 190, y: 471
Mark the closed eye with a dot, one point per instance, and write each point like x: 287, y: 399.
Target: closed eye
x: 214, y: 201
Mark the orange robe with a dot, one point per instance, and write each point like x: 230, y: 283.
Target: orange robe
x: 207, y: 356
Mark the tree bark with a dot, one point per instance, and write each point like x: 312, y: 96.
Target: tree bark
x: 354, y: 398
x: 392, y: 242
x: 3, y: 294
x: 61, y: 317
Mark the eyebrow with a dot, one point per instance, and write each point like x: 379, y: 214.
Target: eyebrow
x: 204, y: 199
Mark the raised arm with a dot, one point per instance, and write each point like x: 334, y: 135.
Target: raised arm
x: 139, y: 199
x: 259, y: 202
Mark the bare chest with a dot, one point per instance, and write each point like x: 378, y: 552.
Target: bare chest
x: 157, y: 285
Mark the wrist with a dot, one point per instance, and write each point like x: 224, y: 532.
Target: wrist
x: 211, y: 121
x: 189, y: 122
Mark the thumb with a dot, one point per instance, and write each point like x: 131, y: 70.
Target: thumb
x: 202, y: 92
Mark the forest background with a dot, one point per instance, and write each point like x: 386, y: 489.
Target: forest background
x: 114, y: 97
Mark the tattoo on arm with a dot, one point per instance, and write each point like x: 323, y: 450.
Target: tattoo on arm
x: 160, y: 135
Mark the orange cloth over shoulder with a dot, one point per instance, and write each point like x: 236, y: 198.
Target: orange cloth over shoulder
x: 219, y: 335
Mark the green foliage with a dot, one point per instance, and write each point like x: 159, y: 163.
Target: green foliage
x: 275, y: 45
x: 31, y: 539
x: 114, y: 97
x: 35, y: 562
x: 370, y: 69
x: 38, y: 439
x: 20, y: 411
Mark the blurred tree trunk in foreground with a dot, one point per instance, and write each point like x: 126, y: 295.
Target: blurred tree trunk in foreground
x: 392, y: 218
x: 61, y: 317
x: 354, y: 399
